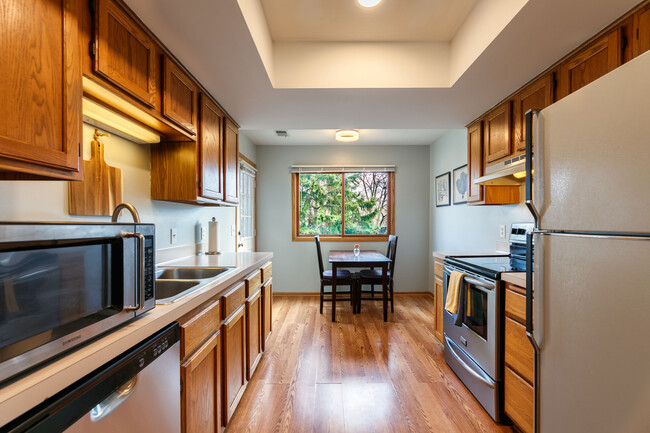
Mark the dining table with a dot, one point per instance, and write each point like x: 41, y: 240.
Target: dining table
x: 365, y: 259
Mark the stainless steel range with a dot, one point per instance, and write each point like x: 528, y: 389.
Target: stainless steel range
x: 474, y: 337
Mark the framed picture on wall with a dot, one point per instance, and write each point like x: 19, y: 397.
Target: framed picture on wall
x: 461, y: 184
x: 442, y: 190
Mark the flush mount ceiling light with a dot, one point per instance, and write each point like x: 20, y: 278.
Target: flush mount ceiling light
x: 347, y: 135
x: 369, y: 3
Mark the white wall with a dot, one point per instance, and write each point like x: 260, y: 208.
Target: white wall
x: 295, y: 267
x: 463, y: 228
x: 247, y: 148
x: 48, y: 200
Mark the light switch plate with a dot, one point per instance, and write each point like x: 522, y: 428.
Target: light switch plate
x: 173, y: 236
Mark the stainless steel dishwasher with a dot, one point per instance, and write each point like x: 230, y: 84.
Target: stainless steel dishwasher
x: 138, y: 391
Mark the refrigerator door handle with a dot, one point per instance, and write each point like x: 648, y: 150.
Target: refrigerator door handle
x: 529, y: 163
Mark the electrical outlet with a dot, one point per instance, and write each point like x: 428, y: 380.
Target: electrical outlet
x: 502, y: 231
x: 173, y: 236
x: 202, y: 233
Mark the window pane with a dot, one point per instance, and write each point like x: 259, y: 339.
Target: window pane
x: 366, y: 203
x: 320, y: 204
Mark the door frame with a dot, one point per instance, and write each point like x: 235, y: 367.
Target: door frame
x: 247, y: 161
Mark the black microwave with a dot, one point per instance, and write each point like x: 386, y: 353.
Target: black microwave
x: 63, y: 284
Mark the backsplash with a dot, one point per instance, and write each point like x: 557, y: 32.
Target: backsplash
x: 48, y: 200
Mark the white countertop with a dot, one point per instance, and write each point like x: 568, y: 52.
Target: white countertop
x: 29, y: 391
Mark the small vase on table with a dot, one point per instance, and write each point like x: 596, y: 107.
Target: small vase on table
x: 357, y: 250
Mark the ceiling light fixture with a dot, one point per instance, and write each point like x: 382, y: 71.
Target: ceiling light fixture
x: 369, y: 3
x: 347, y: 135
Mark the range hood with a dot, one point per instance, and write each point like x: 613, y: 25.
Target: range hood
x: 505, y: 173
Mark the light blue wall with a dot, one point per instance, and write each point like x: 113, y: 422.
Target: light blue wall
x: 463, y: 228
x: 295, y: 267
x: 247, y: 148
x: 48, y: 200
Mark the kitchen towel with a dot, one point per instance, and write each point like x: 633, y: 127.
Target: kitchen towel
x: 453, y: 290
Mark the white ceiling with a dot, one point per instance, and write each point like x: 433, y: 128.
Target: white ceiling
x: 367, y: 137
x: 213, y: 40
x: 346, y: 20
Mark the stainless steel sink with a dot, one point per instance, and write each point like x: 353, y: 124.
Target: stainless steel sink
x: 168, y: 291
x: 190, y: 273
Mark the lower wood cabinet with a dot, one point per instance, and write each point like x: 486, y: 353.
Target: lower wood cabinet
x: 518, y: 399
x: 267, y: 312
x: 234, y: 361
x: 253, y: 332
x: 438, y: 300
x: 201, y: 391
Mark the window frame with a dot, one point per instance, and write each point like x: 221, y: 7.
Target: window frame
x: 295, y: 209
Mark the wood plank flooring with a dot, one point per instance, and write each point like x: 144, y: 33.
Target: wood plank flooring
x: 356, y: 375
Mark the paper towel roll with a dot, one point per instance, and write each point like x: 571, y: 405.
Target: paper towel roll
x: 213, y: 237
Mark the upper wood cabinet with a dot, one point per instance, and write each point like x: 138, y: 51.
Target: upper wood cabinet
x: 211, y: 149
x: 125, y: 54
x: 497, y: 125
x: 536, y: 96
x: 641, y: 31
x: 231, y: 160
x: 592, y: 62
x: 180, y: 96
x: 40, y: 131
x: 475, y: 160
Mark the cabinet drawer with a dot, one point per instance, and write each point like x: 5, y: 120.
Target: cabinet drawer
x: 253, y: 283
x: 518, y: 401
x: 233, y: 299
x: 196, y: 327
x: 437, y: 269
x: 267, y: 272
x: 515, y: 305
x: 519, y: 351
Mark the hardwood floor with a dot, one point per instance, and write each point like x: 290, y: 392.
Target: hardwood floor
x: 356, y: 375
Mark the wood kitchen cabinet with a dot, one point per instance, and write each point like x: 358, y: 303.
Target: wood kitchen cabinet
x: 267, y: 312
x: 519, y: 361
x: 438, y: 300
x: 231, y: 161
x: 201, y: 373
x: 497, y: 137
x: 211, y: 149
x: 641, y: 31
x: 40, y: 132
x: 234, y: 361
x: 180, y: 96
x: 535, y: 96
x: 475, y: 160
x: 253, y: 332
x: 590, y: 63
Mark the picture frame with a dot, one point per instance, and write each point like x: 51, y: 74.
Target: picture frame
x: 443, y: 197
x: 461, y: 184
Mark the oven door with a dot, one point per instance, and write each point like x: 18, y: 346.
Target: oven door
x: 478, y: 335
x: 55, y: 294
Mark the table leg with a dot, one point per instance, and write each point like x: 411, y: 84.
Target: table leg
x: 333, y: 292
x: 384, y: 289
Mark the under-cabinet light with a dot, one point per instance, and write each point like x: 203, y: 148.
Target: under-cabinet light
x: 103, y: 117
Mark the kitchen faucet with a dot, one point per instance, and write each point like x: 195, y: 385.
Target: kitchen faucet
x: 130, y: 208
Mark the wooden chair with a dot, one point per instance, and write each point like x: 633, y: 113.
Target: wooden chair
x: 343, y: 278
x: 373, y: 276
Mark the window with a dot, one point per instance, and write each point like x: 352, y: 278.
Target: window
x: 343, y: 205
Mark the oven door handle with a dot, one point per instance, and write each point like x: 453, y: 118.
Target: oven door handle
x: 480, y: 283
x: 469, y: 369
x: 140, y: 262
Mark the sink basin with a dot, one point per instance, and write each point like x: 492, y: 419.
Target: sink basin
x: 190, y: 273
x: 168, y: 291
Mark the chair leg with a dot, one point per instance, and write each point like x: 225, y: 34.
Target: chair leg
x: 322, y: 290
x: 392, y: 295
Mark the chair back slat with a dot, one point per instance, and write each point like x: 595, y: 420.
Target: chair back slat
x: 320, y: 257
x: 392, y: 254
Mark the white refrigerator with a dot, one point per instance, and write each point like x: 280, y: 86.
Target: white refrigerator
x: 591, y: 280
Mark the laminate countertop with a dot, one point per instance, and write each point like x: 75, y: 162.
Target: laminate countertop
x: 517, y: 278
x: 19, y: 396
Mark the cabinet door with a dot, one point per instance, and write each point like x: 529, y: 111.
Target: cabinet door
x: 641, y: 36
x: 497, y: 137
x: 180, y: 96
x: 267, y: 313
x: 253, y: 333
x: 231, y: 161
x: 211, y: 149
x: 201, y: 392
x: 589, y: 64
x: 537, y: 96
x: 475, y: 160
x: 40, y: 46
x: 439, y: 305
x: 126, y: 55
x: 234, y: 362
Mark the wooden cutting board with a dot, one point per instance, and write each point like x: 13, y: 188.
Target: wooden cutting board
x: 100, y: 191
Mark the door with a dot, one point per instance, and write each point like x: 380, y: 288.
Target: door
x: 267, y: 312
x: 180, y: 96
x: 253, y: 333
x: 641, y: 37
x: 211, y: 149
x: 234, y: 362
x: 592, y: 297
x: 437, y: 328
x: 497, y: 142
x: 591, y: 171
x: 246, y: 211
x: 474, y: 160
x: 537, y: 96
